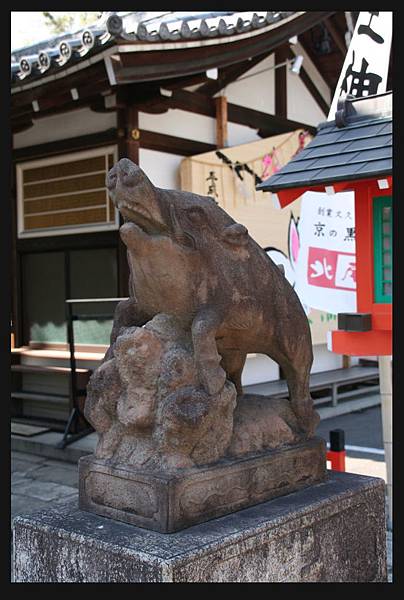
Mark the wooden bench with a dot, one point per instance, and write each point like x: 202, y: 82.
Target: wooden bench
x: 367, y: 377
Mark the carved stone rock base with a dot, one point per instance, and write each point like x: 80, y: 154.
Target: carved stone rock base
x: 171, y: 501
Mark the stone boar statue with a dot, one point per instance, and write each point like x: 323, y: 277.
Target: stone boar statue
x: 189, y: 258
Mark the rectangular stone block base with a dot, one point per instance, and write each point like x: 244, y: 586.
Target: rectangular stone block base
x: 170, y: 502
x: 330, y: 532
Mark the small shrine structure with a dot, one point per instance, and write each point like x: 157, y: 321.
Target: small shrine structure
x: 354, y: 152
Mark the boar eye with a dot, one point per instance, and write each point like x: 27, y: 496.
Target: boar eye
x: 111, y: 179
x: 129, y: 179
x: 195, y: 214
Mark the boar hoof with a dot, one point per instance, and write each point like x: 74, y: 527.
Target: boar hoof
x: 212, y: 377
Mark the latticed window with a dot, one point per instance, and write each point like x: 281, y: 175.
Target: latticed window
x: 65, y: 194
x: 383, y: 243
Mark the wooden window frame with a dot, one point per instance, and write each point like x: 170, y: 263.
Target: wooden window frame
x: 380, y: 202
x: 65, y: 229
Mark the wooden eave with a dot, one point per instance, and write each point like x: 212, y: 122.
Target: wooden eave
x: 56, y: 95
x: 173, y: 64
x: 130, y: 63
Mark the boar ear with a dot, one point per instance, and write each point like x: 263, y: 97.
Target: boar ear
x: 236, y: 234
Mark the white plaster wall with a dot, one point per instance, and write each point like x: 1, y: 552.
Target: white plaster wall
x: 68, y: 125
x: 255, y: 92
x: 194, y: 127
x: 324, y: 360
x: 181, y: 124
x: 162, y: 169
x: 240, y: 134
x: 313, y: 72
x: 301, y: 105
x: 259, y: 369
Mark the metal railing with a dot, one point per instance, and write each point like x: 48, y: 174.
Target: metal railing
x: 77, y: 426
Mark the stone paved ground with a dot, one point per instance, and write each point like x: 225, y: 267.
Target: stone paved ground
x: 37, y: 482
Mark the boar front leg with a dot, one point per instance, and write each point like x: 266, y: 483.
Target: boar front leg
x: 204, y: 326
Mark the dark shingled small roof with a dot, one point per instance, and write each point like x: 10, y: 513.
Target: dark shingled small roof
x: 357, y: 145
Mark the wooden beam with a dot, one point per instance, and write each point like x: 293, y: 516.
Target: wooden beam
x: 74, y: 241
x: 203, y: 105
x: 266, y: 123
x: 16, y: 271
x: 132, y: 134
x: 221, y: 122
x: 93, y: 75
x: 152, y: 140
x: 315, y: 60
x: 180, y: 99
x: 60, y: 103
x: 187, y: 81
x: 19, y: 126
x: 281, y: 103
x: 128, y: 147
x: 82, y: 142
x: 336, y: 36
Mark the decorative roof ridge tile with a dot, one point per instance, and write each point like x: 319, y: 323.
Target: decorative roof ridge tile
x: 352, y: 110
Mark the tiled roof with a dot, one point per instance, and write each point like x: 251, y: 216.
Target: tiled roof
x: 357, y: 145
x: 52, y: 55
x: 191, y: 25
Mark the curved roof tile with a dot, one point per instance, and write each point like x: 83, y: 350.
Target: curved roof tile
x: 52, y: 55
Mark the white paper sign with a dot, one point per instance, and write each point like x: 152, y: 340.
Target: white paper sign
x: 326, y: 268
x: 366, y: 63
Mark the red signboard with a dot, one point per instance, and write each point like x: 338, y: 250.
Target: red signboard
x: 331, y: 269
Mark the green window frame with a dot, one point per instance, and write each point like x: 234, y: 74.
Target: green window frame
x: 383, y: 246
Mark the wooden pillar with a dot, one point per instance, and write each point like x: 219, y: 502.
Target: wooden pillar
x: 346, y: 361
x: 364, y: 248
x: 385, y: 377
x: 281, y: 103
x: 128, y: 147
x: 221, y: 122
x: 16, y: 288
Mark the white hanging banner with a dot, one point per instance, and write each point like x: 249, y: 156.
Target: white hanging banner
x: 367, y: 61
x: 326, y: 267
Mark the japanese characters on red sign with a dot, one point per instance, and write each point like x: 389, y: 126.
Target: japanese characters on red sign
x: 331, y: 269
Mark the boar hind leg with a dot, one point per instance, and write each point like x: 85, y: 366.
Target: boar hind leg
x: 204, y: 326
x: 233, y: 363
x: 297, y: 373
x: 127, y: 314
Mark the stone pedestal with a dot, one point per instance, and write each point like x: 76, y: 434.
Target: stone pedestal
x: 168, y: 502
x: 331, y: 531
